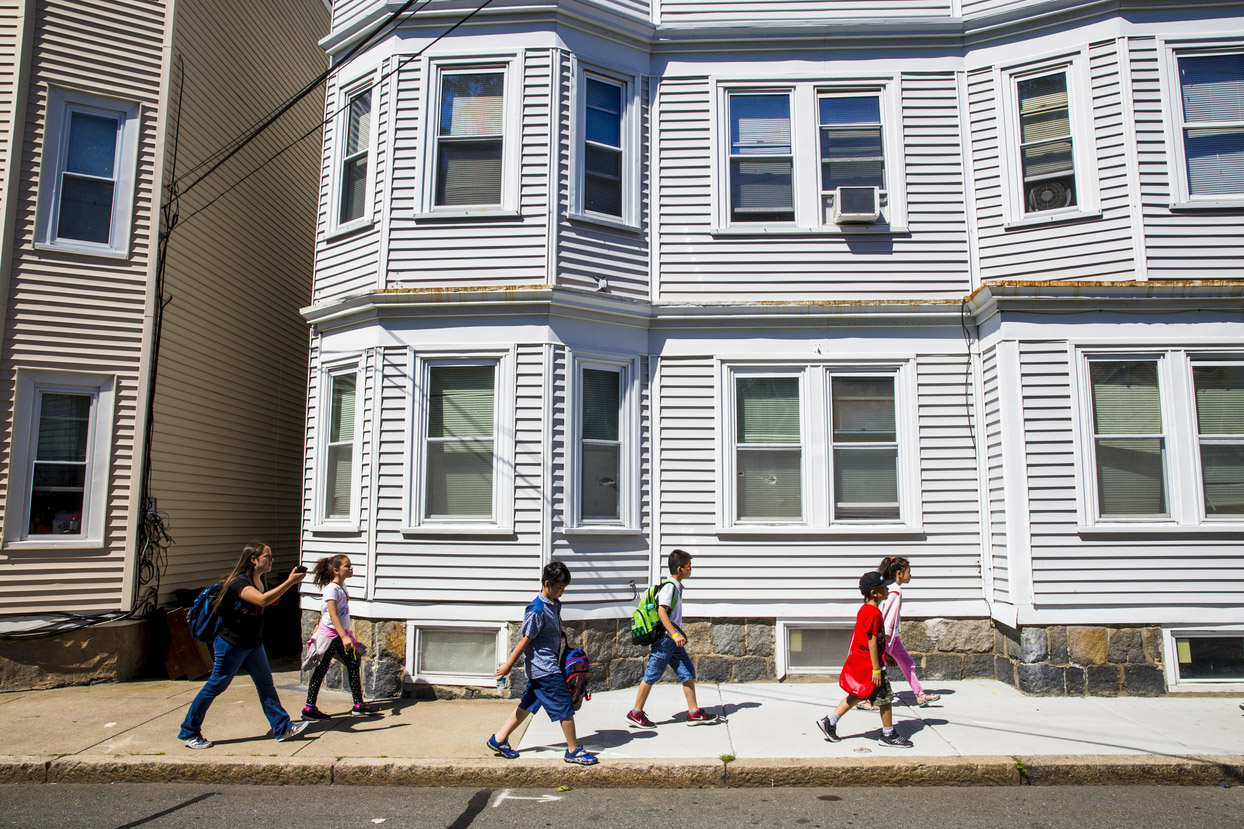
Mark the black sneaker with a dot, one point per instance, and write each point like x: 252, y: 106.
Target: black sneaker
x: 638, y: 719
x: 364, y: 710
x: 314, y: 713
x: 830, y: 731
x: 894, y: 740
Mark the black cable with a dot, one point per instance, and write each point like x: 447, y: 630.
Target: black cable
x: 232, y: 147
x: 333, y: 115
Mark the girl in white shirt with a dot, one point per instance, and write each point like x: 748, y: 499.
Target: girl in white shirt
x: 333, y: 638
x: 899, y: 569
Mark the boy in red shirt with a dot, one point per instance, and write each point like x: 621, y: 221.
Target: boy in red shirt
x: 865, y: 666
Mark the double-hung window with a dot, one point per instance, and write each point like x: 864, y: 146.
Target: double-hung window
x: 605, y: 166
x: 462, y: 443
x: 353, y: 174
x: 787, y: 150
x: 59, y: 472
x: 1218, y: 388
x: 1048, y: 145
x: 1129, y: 439
x: 820, y: 447
x: 606, y: 471
x: 762, y: 164
x: 470, y: 137
x: 338, y: 498
x: 87, y: 183
x: 1207, y: 110
x: 1140, y: 470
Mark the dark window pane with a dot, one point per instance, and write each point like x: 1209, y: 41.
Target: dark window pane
x: 92, y: 145
x: 85, y: 210
x: 353, y: 189
x: 1210, y: 657
x: 600, y: 481
x: 469, y: 173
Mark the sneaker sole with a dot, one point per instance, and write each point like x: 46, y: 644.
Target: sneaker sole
x: 498, y: 752
x: 580, y: 762
x: 634, y: 724
x: 895, y: 745
x: 830, y: 738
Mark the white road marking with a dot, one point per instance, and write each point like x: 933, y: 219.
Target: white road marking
x: 504, y: 794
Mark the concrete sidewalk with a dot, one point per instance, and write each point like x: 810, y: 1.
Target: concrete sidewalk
x: 980, y: 733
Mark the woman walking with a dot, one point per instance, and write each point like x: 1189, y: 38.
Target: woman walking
x: 240, y: 603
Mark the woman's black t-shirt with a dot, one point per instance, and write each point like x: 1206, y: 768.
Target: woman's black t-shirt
x: 241, y: 621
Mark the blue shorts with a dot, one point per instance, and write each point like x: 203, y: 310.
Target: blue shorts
x: 551, y: 692
x: 665, y: 653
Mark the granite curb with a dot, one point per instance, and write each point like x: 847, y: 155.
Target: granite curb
x: 1043, y: 770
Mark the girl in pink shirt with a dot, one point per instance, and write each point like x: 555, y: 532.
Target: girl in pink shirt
x: 899, y: 569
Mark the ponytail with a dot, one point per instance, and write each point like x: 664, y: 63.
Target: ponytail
x: 891, y: 566
x: 324, y: 570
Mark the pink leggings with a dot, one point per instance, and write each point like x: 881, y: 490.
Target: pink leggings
x: 895, y: 650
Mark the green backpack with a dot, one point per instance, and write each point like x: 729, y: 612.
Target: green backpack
x: 646, y: 626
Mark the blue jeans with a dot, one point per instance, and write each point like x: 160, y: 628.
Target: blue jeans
x: 229, y: 660
x: 665, y: 653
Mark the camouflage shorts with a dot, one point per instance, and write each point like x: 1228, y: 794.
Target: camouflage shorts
x: 883, y: 694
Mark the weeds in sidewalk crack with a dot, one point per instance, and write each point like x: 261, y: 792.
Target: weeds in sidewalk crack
x: 1024, y: 780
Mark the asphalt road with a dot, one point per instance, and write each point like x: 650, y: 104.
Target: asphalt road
x: 128, y: 805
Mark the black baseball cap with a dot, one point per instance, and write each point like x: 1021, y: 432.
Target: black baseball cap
x: 871, y: 581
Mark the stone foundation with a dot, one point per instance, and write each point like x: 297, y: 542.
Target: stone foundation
x: 111, y: 652
x: 1058, y: 660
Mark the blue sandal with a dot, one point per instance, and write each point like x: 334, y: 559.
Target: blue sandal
x: 502, y: 749
x: 581, y: 757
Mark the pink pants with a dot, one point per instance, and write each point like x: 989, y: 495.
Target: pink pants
x: 896, y: 651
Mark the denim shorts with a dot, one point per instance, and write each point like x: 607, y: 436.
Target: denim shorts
x: 551, y: 692
x: 665, y: 653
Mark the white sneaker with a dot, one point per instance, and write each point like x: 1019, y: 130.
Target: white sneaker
x: 198, y: 742
x: 295, y: 728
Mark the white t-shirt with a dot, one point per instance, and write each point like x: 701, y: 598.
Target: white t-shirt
x: 665, y: 598
x: 335, y: 591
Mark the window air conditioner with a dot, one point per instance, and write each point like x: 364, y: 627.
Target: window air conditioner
x: 856, y: 204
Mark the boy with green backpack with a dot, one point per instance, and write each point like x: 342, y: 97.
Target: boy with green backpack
x: 668, y: 643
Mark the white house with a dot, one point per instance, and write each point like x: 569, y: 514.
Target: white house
x: 790, y: 286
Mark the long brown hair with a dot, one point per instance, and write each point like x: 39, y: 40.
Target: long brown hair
x: 245, y: 567
x: 325, y: 569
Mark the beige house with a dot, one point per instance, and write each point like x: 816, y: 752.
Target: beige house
x: 103, y: 104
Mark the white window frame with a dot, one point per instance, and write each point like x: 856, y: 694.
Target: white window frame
x: 341, y: 126
x: 782, y: 666
x: 1184, y: 491
x: 504, y: 404
x: 328, y: 372
x: 804, y: 92
x: 628, y: 456
x: 629, y: 91
x: 30, y: 387
x: 1171, y: 657
x: 816, y: 443
x: 1084, y: 148
x: 413, y: 669
x: 1172, y: 96
x: 434, y: 69
x: 61, y: 104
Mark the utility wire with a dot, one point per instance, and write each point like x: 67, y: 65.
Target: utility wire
x: 331, y: 116
x: 232, y: 147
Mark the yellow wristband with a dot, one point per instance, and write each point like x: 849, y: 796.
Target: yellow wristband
x: 877, y: 671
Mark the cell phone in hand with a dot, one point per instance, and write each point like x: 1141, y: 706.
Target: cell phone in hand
x: 300, y: 569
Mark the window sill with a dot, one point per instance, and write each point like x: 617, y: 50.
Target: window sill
x: 335, y: 529
x: 823, y: 230
x: 616, y: 531
x: 82, y: 249
x: 604, y: 221
x: 468, y: 213
x: 348, y: 229
x: 490, y: 530
x: 842, y: 531
x: 1232, y: 528
x: 472, y: 681
x: 1053, y: 217
x: 50, y: 544
x: 1224, y: 203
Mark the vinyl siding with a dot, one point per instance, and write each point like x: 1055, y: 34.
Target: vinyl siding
x: 1190, y: 244
x: 464, y: 568
x: 976, y: 8
x: 815, y: 570
x: 1090, y: 248
x: 685, y: 12
x: 346, y: 12
x: 996, y: 476
x: 226, y: 459
x: 11, y: 25
x: 931, y: 262
x: 75, y: 313
x: 450, y: 253
x: 588, y: 251
x: 1145, y: 574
